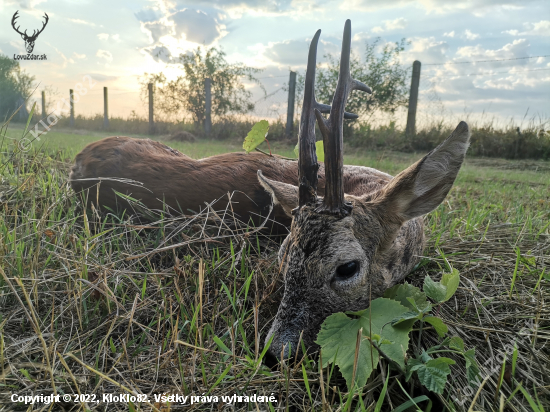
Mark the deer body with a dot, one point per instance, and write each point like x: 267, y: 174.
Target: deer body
x: 186, y: 184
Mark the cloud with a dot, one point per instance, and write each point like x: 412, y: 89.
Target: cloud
x: 104, y: 54
x: 105, y: 36
x: 449, y: 34
x: 83, y: 22
x: 542, y: 28
x: 79, y: 56
x: 197, y: 26
x: 159, y: 53
x: 426, y: 50
x: 289, y: 52
x: 24, y: 4
x: 518, y: 48
x: 469, y: 35
x: 399, y: 23
x: 236, y: 9
x: 478, y: 7
x: 101, y: 77
x: 157, y: 30
x: 294, y: 52
x: 148, y: 15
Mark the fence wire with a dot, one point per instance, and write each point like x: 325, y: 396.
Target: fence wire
x: 273, y: 105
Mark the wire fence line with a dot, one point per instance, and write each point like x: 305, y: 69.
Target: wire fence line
x: 485, y: 61
x: 273, y: 104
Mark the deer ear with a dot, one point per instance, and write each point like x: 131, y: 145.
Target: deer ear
x: 420, y: 188
x: 282, y: 193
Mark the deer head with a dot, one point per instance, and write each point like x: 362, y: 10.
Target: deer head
x: 29, y: 40
x: 343, y: 250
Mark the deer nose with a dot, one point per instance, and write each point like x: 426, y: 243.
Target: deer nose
x: 270, y: 360
x: 273, y: 355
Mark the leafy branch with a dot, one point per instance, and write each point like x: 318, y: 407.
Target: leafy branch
x: 392, y: 318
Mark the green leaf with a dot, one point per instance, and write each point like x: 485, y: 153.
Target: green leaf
x: 434, y: 290
x: 450, y: 281
x: 425, y: 356
x: 412, y: 365
x: 256, y: 136
x: 528, y: 261
x: 27, y: 375
x: 382, y: 396
x: 221, y: 345
x: 379, y: 340
x: 338, y: 337
x: 400, y: 293
x: 433, y: 374
x: 112, y: 345
x: 456, y: 343
x: 411, y: 402
x: 29, y: 118
x: 472, y: 370
x: 319, y: 149
x: 304, y: 373
x: 438, y: 325
x: 406, y: 316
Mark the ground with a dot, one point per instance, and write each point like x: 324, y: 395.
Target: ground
x: 100, y: 304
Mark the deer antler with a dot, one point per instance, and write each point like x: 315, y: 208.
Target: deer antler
x: 15, y: 16
x: 35, y: 35
x: 307, y: 160
x: 332, y: 131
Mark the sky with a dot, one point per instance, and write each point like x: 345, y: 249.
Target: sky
x: 116, y: 42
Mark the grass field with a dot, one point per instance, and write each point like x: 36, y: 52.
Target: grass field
x: 81, y: 314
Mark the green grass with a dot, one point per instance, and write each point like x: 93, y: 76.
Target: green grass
x: 79, y: 314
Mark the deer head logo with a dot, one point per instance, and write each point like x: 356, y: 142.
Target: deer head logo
x: 29, y: 40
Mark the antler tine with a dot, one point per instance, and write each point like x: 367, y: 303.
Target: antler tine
x: 307, y: 159
x: 35, y: 33
x: 44, y: 24
x: 15, y: 16
x: 332, y: 131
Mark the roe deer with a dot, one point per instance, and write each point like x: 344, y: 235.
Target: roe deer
x: 365, y: 235
x: 345, y: 249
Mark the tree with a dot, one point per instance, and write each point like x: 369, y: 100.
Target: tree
x: 382, y: 72
x: 186, y: 92
x: 15, y: 86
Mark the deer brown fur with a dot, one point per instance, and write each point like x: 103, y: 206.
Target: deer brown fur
x: 118, y: 163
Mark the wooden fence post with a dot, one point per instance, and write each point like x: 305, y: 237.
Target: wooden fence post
x: 413, y: 100
x: 518, y: 143
x: 151, y: 117
x: 71, y: 101
x: 207, y: 106
x: 105, y: 109
x: 290, y: 109
x: 43, y: 104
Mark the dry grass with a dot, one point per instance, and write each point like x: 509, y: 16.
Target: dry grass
x: 100, y: 304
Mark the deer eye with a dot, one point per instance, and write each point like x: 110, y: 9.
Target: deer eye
x: 347, y: 270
